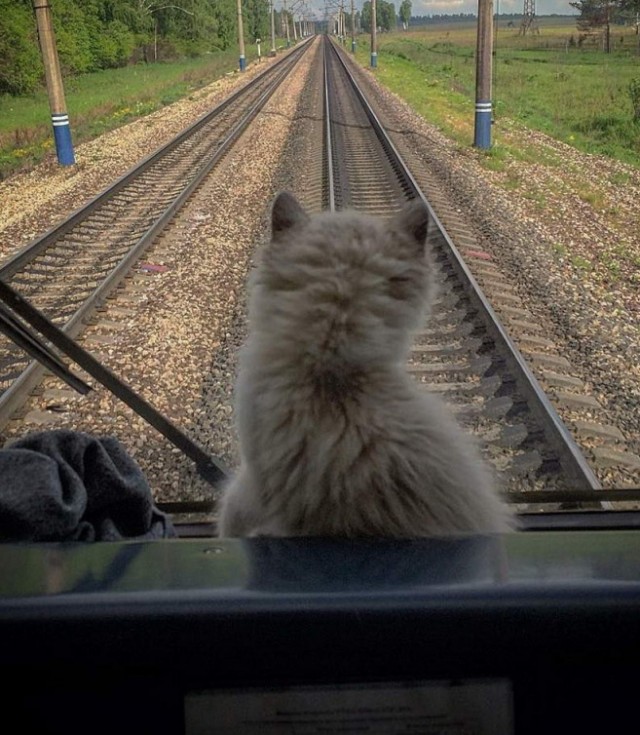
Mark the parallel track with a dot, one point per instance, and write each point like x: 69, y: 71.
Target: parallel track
x: 463, y: 352
x: 71, y: 269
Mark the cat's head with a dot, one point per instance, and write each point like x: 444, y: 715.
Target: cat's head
x: 347, y: 281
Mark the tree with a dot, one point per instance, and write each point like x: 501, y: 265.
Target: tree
x: 405, y: 13
x: 98, y: 34
x: 365, y: 17
x: 386, y: 15
x: 257, y: 22
x: 595, y: 15
x: 21, y: 67
x: 224, y: 12
x: 630, y: 9
x: 634, y: 94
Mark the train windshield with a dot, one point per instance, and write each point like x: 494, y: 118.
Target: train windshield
x: 355, y: 261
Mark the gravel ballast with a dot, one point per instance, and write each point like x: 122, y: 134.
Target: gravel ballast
x: 180, y: 336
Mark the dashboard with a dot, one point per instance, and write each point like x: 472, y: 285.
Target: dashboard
x: 523, y: 633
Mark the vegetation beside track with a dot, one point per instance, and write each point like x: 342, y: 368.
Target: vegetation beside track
x: 551, y: 82
x: 104, y: 100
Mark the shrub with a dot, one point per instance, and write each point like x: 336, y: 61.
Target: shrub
x: 112, y: 45
x: 21, y: 69
x: 73, y: 38
x: 634, y: 93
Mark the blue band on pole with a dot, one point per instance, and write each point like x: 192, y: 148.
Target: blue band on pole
x: 62, y: 137
x: 374, y: 59
x: 483, y: 125
x: 243, y: 63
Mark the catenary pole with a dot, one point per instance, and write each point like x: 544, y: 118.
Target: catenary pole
x: 353, y: 28
x: 273, y: 30
x: 55, y: 90
x: 374, y: 35
x: 286, y: 21
x: 243, y: 60
x: 484, y: 46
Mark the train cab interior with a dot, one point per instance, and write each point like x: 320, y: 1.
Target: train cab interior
x: 176, y: 630
x: 534, y: 631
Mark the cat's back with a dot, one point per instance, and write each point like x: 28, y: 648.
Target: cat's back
x: 336, y: 438
x: 379, y: 458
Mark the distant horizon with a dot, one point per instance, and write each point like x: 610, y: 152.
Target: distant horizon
x: 511, y: 14
x: 498, y: 15
x: 421, y: 8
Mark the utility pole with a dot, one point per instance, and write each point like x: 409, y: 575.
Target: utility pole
x: 243, y: 60
x: 286, y: 21
x: 482, y: 137
x: 55, y: 90
x: 353, y: 29
x: 273, y: 30
x: 374, y: 36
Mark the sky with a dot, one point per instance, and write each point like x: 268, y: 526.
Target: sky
x: 441, y: 7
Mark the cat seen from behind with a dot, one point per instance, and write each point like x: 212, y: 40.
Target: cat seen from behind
x: 336, y: 438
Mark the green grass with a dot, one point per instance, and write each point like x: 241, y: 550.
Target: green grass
x: 103, y: 101
x: 581, y: 263
x: 578, y: 95
x: 431, y: 95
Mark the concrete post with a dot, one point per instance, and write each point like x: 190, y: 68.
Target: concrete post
x: 55, y: 90
x: 482, y: 136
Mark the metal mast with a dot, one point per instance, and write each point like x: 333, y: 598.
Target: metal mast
x: 529, y: 18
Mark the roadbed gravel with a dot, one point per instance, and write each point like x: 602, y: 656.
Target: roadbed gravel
x: 568, y: 232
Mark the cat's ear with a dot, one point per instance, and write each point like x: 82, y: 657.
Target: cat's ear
x: 413, y: 222
x: 286, y: 213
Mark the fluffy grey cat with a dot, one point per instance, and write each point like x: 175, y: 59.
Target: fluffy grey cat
x: 335, y: 437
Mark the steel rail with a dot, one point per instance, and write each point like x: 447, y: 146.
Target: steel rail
x: 210, y: 468
x: 572, y: 459
x: 16, y: 262
x: 15, y: 395
x: 328, y: 139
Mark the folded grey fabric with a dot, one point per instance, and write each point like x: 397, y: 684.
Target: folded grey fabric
x: 70, y: 486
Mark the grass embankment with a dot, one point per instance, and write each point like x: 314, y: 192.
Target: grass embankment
x: 102, y: 101
x: 576, y: 94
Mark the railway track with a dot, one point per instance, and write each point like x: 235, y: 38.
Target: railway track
x: 463, y: 352
x: 71, y: 269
